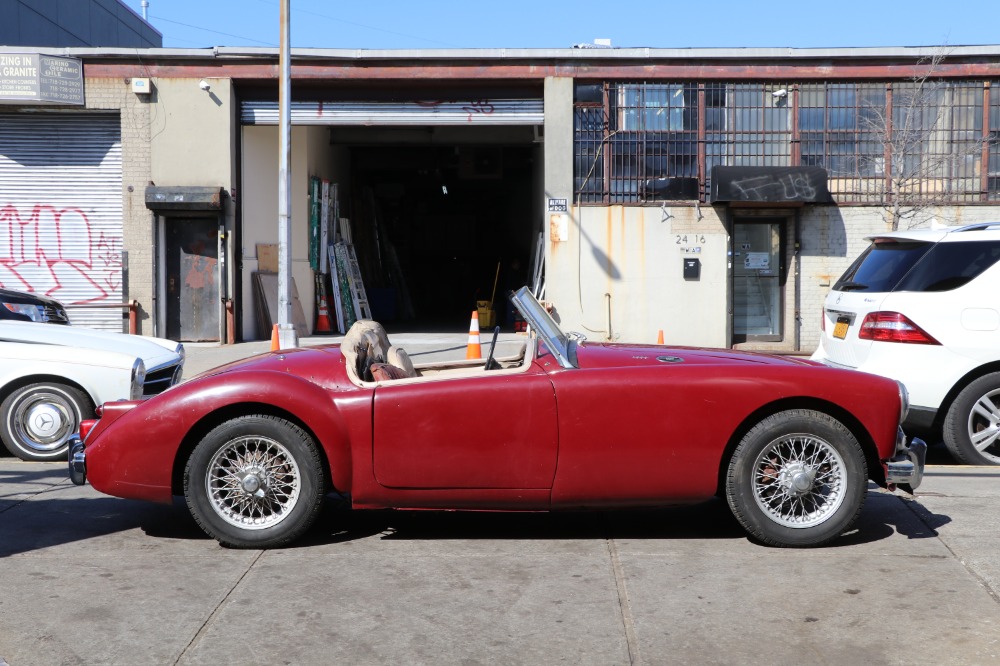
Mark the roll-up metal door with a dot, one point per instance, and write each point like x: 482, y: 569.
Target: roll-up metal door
x: 437, y: 113
x: 61, y: 211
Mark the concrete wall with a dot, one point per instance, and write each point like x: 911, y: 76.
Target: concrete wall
x: 191, y: 143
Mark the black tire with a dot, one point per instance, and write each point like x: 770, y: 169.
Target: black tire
x: 243, y: 503
x: 798, y: 478
x: 38, y: 420
x: 975, y: 413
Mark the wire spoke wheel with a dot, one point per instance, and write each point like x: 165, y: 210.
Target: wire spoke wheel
x: 799, y: 480
x: 253, y: 482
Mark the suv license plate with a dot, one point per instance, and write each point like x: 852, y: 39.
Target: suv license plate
x: 840, y: 330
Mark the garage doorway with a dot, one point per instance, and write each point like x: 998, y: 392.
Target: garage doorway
x: 460, y: 221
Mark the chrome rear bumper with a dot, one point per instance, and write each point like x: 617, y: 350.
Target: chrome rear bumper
x: 906, y: 468
x: 77, y: 461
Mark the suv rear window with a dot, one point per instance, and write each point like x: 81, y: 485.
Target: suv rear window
x: 882, y: 265
x: 891, y: 265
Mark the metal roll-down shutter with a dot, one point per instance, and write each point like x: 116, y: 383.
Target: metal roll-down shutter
x: 61, y: 211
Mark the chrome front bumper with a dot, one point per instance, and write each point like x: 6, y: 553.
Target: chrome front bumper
x: 77, y: 461
x: 906, y: 468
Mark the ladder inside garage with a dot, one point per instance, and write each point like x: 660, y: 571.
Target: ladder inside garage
x: 357, y: 285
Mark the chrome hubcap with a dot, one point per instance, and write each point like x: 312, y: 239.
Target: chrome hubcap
x: 43, y: 421
x: 253, y: 482
x: 799, y: 480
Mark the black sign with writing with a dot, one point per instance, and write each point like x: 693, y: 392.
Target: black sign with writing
x: 32, y: 77
x: 769, y: 184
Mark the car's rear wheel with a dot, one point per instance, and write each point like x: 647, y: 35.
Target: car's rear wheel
x: 971, y: 428
x: 797, y: 478
x: 255, y: 482
x: 38, y: 419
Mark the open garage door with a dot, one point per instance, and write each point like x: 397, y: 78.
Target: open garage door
x: 443, y: 198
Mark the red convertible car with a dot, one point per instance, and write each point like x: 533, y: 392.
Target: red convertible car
x: 254, y: 446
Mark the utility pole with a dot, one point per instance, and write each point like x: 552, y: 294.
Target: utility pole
x: 286, y: 331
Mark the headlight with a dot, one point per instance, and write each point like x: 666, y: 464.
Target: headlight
x: 32, y: 312
x: 904, y: 401
x: 138, y: 379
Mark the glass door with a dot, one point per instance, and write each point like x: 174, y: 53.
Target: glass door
x: 756, y: 289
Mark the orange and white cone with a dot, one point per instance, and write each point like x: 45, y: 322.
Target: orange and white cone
x: 474, y: 350
x: 275, y: 341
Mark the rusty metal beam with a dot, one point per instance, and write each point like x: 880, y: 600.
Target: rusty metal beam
x: 256, y: 70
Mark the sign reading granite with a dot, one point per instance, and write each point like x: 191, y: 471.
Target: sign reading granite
x: 42, y: 79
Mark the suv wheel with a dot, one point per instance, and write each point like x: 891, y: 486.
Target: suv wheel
x: 972, y: 427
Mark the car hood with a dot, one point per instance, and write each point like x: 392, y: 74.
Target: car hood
x: 320, y: 364
x: 154, y: 352
x: 608, y: 355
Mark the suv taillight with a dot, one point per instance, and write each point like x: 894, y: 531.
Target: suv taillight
x: 893, y: 327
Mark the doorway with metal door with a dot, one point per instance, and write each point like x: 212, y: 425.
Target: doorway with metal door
x: 757, y: 279
x: 192, y: 276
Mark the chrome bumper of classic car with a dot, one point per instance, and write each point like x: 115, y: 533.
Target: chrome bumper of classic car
x: 906, y: 468
x: 77, y: 461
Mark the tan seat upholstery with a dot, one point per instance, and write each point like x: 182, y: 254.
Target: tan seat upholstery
x: 398, y: 357
x: 365, y: 343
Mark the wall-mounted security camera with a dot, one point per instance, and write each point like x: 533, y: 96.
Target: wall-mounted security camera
x: 204, y: 85
x: 776, y: 93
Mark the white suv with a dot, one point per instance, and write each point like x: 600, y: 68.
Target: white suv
x: 923, y: 307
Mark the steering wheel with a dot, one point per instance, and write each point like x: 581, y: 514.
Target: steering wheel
x: 491, y: 363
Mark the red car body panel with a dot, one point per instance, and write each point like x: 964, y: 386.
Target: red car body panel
x: 632, y: 425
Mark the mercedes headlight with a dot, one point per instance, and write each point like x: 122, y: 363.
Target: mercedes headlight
x: 32, y: 312
x: 138, y: 379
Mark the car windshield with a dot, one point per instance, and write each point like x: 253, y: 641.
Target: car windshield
x: 544, y: 325
x: 882, y: 265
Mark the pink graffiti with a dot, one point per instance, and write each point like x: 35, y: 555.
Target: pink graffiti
x: 52, y: 247
x: 478, y: 106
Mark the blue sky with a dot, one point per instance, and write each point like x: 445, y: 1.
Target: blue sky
x: 379, y: 24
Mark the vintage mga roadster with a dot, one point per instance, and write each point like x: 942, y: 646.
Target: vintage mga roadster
x: 254, y: 446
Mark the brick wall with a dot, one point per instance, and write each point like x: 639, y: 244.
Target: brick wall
x: 135, y: 112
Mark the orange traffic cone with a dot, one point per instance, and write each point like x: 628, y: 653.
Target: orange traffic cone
x: 659, y: 337
x: 322, y: 318
x: 275, y: 343
x: 473, y: 350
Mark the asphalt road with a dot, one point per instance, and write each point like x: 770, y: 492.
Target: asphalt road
x: 90, y: 579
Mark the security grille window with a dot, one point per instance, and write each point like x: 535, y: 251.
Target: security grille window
x: 747, y: 124
x: 993, y: 178
x: 634, y: 141
x: 839, y: 130
x: 936, y: 140
x: 879, y: 141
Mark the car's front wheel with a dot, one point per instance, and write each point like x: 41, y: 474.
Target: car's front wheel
x: 255, y: 482
x: 797, y: 478
x: 38, y: 419
x: 971, y: 428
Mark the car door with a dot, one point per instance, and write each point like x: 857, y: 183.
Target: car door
x: 490, y: 430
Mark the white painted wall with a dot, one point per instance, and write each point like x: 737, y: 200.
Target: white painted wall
x: 312, y: 155
x: 631, y: 260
